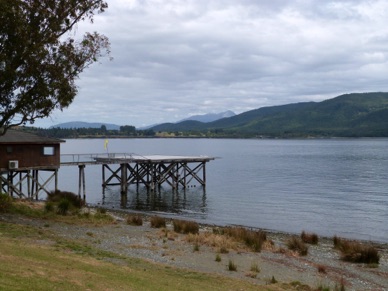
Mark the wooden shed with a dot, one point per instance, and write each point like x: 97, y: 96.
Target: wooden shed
x: 22, y: 156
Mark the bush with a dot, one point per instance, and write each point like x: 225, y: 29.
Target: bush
x: 5, y: 202
x: 232, y: 266
x: 134, y: 220
x: 356, y: 252
x: 157, y: 222
x: 63, y: 206
x: 252, y: 239
x: 49, y: 206
x: 309, y: 238
x: 183, y: 226
x: 74, y: 199
x: 296, y: 244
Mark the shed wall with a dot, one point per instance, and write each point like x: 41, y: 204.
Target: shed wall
x: 30, y: 155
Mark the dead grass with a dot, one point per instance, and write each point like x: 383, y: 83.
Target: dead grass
x: 252, y: 239
x: 133, y: 219
x: 184, y: 226
x: 296, y: 244
x: 157, y: 222
x: 214, y: 240
x: 309, y: 238
x: 356, y: 252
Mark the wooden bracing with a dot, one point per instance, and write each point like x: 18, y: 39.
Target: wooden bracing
x: 26, y: 183
x: 154, y: 174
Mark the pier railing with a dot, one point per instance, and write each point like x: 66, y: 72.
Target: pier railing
x: 90, y: 159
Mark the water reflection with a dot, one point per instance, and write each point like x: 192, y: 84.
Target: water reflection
x: 190, y: 201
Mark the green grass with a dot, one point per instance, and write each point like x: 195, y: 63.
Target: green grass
x: 29, y: 264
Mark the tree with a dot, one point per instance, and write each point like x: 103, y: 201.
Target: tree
x: 39, y: 61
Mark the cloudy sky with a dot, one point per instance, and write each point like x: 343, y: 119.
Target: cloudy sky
x: 177, y: 58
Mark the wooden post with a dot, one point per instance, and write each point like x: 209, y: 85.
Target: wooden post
x: 56, y: 180
x: 204, y: 173
x: 81, y: 181
x: 29, y: 184
x: 124, y: 176
x: 103, y: 176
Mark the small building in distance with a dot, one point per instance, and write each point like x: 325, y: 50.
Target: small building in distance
x: 22, y: 156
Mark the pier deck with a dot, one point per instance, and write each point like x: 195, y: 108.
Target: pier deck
x: 151, y: 170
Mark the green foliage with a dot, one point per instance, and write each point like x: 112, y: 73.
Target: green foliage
x: 63, y: 206
x: 40, y: 60
x: 350, y: 115
x: 218, y: 258
x: 232, y: 266
x: 63, y: 202
x: 5, y: 202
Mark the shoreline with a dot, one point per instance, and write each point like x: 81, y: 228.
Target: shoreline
x: 205, y: 224
x: 322, y: 265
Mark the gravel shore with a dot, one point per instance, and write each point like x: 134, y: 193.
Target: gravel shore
x: 321, y: 267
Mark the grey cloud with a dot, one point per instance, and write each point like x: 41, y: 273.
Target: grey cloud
x: 173, y: 58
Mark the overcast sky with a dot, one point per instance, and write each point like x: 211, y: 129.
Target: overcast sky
x: 177, y: 58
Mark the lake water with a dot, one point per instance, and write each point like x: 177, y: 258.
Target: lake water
x: 329, y: 186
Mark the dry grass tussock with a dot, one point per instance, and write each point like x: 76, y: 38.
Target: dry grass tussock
x: 133, y: 219
x: 356, y: 252
x: 296, y: 244
x: 214, y: 240
x: 309, y: 238
x: 252, y: 239
x: 184, y: 226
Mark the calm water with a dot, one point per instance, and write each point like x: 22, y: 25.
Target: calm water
x: 336, y: 186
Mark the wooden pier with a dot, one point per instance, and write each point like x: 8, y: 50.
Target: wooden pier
x: 151, y: 171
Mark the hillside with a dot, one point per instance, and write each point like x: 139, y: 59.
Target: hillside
x: 356, y: 114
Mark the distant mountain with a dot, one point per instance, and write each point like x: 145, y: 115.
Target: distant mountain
x: 356, y: 114
x: 82, y: 124
x: 209, y: 117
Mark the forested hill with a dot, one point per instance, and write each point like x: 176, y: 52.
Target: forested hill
x: 349, y: 115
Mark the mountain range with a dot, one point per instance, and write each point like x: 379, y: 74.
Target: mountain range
x: 201, y: 118
x: 348, y: 115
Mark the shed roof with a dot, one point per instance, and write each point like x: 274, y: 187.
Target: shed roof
x: 19, y: 136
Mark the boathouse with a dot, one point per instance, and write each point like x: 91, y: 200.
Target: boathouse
x: 22, y: 156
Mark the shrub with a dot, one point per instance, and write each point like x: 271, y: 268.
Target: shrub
x: 5, y: 202
x: 134, y: 220
x: 255, y: 268
x: 356, y: 252
x: 309, y: 238
x: 158, y: 222
x: 232, y: 266
x: 296, y: 244
x: 183, y: 226
x: 252, y: 239
x: 321, y: 269
x: 218, y: 258
x: 57, y: 195
x: 49, y: 206
x: 63, y: 206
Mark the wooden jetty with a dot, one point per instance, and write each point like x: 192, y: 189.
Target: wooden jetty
x: 23, y: 156
x: 152, y: 170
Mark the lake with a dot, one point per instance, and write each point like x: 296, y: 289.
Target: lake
x: 326, y: 186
